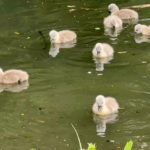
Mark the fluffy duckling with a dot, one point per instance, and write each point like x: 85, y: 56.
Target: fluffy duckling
x: 105, y: 105
x: 142, y: 29
x: 13, y: 76
x: 62, y: 36
x: 124, y: 14
x: 112, y: 21
x: 102, y: 50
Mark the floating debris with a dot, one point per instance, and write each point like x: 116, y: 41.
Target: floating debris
x: 122, y: 52
x: 139, y: 6
x: 97, y: 28
x: 71, y: 6
x: 144, y: 62
x: 89, y: 72
x: 99, y: 74
x: 17, y: 33
x: 41, y: 121
x: 83, y: 8
x: 28, y: 38
x: 71, y: 10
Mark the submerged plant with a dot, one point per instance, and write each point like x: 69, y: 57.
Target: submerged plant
x: 91, y: 146
x: 128, y: 145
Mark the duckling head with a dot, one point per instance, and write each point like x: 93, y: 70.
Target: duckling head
x: 100, y: 101
x: 112, y: 8
x: 53, y: 35
x: 138, y: 28
x: 98, y: 49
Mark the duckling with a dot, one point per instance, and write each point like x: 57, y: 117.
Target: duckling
x: 13, y: 76
x: 105, y: 105
x: 102, y: 50
x: 112, y: 21
x: 124, y: 14
x: 62, y: 36
x: 142, y: 29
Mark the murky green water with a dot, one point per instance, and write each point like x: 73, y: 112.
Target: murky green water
x: 61, y: 91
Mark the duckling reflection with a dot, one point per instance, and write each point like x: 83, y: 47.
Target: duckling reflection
x: 112, y: 32
x: 142, y: 38
x: 15, y: 88
x: 99, y: 62
x: 102, y: 121
x: 55, y: 47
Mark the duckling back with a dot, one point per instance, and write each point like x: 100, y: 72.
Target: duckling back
x: 14, y: 76
x: 126, y: 14
x: 112, y: 105
x: 66, y: 36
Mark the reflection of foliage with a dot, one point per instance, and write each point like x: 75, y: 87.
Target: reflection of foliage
x: 129, y: 145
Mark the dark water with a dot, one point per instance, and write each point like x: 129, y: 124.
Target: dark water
x: 61, y: 91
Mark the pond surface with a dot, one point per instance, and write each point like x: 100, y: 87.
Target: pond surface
x: 63, y: 89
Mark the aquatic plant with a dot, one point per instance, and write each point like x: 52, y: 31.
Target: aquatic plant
x: 91, y: 146
x: 128, y: 145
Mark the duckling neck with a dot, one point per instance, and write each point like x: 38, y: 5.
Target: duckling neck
x: 57, y: 39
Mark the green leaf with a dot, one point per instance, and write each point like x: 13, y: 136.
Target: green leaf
x: 91, y: 146
x: 129, y: 145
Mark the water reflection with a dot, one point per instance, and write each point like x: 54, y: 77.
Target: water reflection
x: 112, y: 32
x: 142, y: 38
x: 99, y: 62
x: 15, y: 88
x: 102, y: 121
x: 55, y: 47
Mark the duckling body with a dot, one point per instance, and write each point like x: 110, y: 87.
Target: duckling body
x: 112, y: 21
x: 142, y: 29
x: 102, y: 50
x: 124, y: 14
x: 13, y: 76
x: 105, y: 105
x: 62, y: 36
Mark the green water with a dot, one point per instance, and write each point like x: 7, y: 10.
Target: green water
x: 61, y: 91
